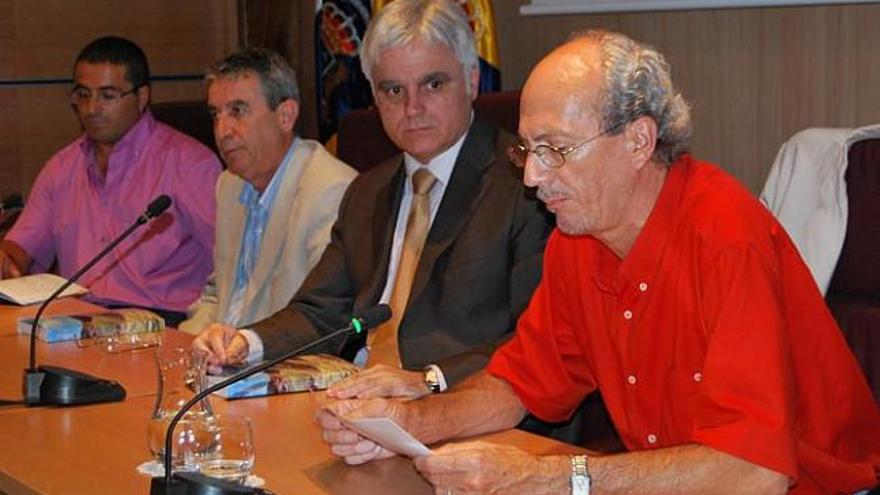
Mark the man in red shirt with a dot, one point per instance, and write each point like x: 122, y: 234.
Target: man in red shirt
x: 667, y: 287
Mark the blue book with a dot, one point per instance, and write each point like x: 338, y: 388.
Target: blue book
x: 53, y: 328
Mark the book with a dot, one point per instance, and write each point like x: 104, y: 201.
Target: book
x: 32, y: 289
x: 53, y: 328
x: 123, y: 329
x: 115, y: 331
x: 298, y: 374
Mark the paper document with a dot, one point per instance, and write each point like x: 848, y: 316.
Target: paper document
x: 388, y: 434
x: 32, y: 289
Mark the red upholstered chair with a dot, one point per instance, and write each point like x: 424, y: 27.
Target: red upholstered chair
x: 188, y: 117
x: 362, y: 143
x: 854, y: 292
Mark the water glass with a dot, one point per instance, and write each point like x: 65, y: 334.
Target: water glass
x: 192, y: 439
x: 231, y: 453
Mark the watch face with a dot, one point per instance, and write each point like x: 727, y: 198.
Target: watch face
x: 431, y: 380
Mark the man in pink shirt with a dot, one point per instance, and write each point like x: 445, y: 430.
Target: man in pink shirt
x: 95, y: 187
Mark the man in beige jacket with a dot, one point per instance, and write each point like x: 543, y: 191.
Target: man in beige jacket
x: 277, y: 200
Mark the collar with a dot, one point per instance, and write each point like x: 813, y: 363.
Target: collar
x: 133, y: 141
x: 441, y: 165
x: 641, y: 262
x: 251, y: 198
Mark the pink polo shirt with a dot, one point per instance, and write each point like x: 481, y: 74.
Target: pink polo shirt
x: 72, y: 213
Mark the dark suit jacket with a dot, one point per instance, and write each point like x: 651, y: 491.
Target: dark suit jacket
x: 477, y: 271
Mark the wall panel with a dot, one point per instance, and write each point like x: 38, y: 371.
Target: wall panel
x: 40, y: 38
x: 753, y: 76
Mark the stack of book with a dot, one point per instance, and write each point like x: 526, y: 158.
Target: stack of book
x: 115, y: 331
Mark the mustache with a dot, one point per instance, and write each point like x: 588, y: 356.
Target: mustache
x: 546, y: 195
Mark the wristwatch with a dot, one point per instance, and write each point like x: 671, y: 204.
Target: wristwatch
x: 580, y: 475
x: 432, y: 380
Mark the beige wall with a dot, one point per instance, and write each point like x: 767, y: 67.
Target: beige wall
x: 753, y: 76
x: 40, y: 38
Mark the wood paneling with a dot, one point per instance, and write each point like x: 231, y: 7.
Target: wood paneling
x: 753, y: 76
x: 39, y: 39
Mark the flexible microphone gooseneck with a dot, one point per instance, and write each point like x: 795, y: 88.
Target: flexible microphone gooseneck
x: 194, y: 483
x: 51, y: 385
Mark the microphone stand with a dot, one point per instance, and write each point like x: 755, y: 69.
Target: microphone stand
x: 53, y: 385
x: 191, y: 483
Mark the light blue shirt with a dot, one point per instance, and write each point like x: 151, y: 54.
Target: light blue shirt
x: 259, y: 209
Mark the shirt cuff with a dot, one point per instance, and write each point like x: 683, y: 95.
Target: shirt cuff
x: 440, y: 377
x: 255, y: 345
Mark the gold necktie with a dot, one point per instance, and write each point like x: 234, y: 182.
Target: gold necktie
x: 383, y: 346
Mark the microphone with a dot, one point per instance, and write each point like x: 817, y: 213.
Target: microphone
x: 199, y: 484
x: 52, y: 385
x: 11, y: 202
x: 155, y: 208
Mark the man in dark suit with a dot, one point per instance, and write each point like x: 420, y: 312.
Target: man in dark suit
x: 457, y: 289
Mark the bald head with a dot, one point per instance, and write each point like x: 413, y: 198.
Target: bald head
x: 616, y: 79
x: 568, y: 81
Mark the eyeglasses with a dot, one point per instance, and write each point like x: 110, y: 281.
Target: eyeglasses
x: 105, y: 96
x: 548, y: 155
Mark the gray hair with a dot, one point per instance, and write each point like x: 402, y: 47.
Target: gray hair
x: 638, y: 83
x: 435, y: 21
x: 277, y: 78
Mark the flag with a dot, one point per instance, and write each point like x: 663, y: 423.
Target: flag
x: 341, y: 85
x: 482, y: 21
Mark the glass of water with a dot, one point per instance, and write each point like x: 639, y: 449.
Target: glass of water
x: 231, y: 453
x: 193, y: 437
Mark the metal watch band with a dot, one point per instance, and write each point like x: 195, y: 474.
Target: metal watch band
x: 580, y: 475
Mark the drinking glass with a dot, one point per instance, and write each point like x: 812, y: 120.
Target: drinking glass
x: 193, y: 437
x: 231, y: 451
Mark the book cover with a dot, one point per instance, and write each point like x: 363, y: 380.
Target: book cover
x: 123, y: 329
x: 298, y: 374
x: 32, y: 289
x: 53, y: 328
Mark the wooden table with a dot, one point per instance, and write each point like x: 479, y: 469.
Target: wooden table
x: 95, y: 449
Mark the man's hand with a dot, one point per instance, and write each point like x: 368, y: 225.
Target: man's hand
x: 12, y: 260
x: 380, y: 381
x: 347, y: 443
x: 8, y: 268
x: 224, y: 346
x: 480, y: 467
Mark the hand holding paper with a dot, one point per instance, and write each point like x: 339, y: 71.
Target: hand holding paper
x: 338, y: 420
x: 388, y: 434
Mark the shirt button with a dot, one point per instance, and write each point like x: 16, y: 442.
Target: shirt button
x: 643, y: 287
x: 652, y: 439
x: 698, y: 377
x: 628, y: 315
x: 631, y: 379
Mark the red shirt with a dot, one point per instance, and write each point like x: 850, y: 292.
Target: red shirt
x: 711, y: 331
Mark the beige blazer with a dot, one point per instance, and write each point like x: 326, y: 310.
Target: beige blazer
x: 297, y: 232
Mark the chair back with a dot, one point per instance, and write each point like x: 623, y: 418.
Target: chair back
x: 189, y: 117
x: 854, y: 292
x: 362, y: 142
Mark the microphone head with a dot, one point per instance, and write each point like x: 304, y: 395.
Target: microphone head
x: 158, y: 206
x: 10, y: 201
x: 373, y: 317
